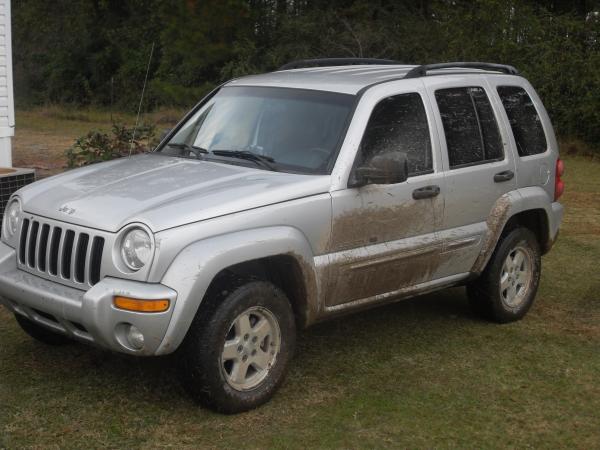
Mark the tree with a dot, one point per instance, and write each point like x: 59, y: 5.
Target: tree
x: 77, y: 51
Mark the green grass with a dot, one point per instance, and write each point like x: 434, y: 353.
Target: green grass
x: 422, y: 373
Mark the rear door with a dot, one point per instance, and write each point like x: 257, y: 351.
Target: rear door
x: 478, y: 163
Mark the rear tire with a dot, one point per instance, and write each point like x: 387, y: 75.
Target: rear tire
x: 40, y: 333
x: 237, y: 351
x: 506, y: 289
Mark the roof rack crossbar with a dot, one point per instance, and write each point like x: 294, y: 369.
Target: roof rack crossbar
x: 330, y: 62
x: 421, y: 71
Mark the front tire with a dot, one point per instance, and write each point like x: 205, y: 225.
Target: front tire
x: 238, y: 348
x: 40, y: 333
x: 507, y: 287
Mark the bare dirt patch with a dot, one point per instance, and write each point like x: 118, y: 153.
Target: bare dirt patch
x: 43, y: 152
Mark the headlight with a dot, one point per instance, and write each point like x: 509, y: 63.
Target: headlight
x: 136, y: 249
x: 12, y: 217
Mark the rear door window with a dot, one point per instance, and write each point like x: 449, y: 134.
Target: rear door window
x: 472, y: 133
x: 524, y: 120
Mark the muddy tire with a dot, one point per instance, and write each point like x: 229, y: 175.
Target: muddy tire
x: 40, y: 333
x: 237, y: 351
x: 506, y: 289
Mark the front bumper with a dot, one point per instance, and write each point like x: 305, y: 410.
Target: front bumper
x: 86, y: 316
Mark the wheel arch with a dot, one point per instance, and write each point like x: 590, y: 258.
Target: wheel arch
x: 250, y: 252
x: 284, y: 271
x: 536, y: 220
x: 527, y: 207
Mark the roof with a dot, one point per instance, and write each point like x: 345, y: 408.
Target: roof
x: 343, y: 79
x: 346, y: 79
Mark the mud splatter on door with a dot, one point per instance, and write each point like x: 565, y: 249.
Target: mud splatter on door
x: 382, y: 240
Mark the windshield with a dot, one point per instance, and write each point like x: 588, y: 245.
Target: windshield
x: 293, y: 129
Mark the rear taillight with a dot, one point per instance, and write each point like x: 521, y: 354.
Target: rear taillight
x: 559, y: 184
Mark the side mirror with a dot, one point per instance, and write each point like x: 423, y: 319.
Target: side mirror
x: 386, y: 168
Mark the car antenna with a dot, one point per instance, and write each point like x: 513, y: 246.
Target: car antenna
x: 137, y: 119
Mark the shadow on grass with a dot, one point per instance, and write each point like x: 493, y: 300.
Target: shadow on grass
x: 325, y: 349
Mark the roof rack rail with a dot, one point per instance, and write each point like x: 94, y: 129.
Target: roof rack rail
x: 421, y: 71
x: 329, y: 62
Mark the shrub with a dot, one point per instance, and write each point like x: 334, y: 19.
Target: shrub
x: 97, y: 146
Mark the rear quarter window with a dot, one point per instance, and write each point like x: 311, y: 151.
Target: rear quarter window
x: 524, y: 120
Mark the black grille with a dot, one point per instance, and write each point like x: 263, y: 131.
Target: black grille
x: 56, y: 234
x: 23, y: 243
x: 67, y: 251
x: 96, y: 260
x: 35, y: 226
x: 80, y: 254
x: 58, y: 252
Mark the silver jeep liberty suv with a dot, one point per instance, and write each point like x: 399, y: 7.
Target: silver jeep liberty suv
x: 288, y: 198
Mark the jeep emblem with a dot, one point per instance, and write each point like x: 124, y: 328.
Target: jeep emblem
x: 65, y: 209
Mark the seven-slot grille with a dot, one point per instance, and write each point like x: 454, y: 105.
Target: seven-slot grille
x: 57, y: 251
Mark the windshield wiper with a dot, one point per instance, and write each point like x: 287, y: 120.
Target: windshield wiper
x: 261, y: 160
x: 190, y: 148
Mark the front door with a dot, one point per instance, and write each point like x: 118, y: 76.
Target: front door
x: 384, y: 236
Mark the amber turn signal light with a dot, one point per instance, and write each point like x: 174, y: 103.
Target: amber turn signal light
x: 139, y: 305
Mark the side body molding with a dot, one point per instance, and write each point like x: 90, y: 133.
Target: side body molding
x: 507, y: 206
x: 192, y: 271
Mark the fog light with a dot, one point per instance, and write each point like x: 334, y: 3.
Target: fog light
x: 135, y: 337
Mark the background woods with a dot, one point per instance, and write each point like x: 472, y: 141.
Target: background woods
x: 94, y: 52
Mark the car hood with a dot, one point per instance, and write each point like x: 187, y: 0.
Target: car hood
x: 161, y: 191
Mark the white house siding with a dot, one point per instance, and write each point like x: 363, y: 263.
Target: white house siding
x: 7, y: 107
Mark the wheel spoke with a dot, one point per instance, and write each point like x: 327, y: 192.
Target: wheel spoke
x: 242, y: 326
x: 504, y: 282
x: 262, y: 329
x: 518, y: 289
x: 512, y: 293
x: 230, y: 350
x: 507, y: 265
x: 240, y: 369
x: 518, y: 260
x: 261, y: 359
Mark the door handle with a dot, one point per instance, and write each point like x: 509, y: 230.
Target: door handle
x: 504, y: 176
x: 426, y: 192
